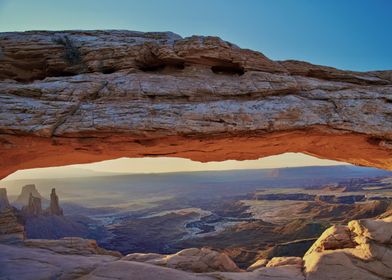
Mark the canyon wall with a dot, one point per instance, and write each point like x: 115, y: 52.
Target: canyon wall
x: 83, y: 96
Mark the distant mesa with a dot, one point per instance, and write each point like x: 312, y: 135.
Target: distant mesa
x: 34, y: 205
x: 24, y: 197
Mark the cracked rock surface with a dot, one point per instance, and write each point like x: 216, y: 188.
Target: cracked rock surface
x: 83, y: 96
x: 362, y: 250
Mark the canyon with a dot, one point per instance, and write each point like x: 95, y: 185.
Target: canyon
x: 204, y: 231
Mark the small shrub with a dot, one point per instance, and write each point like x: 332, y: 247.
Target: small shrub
x: 72, y: 54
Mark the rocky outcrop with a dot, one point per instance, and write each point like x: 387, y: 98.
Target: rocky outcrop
x: 33, y: 208
x: 4, y: 203
x: 11, y: 231
x: 71, y: 246
x: 258, y: 264
x: 361, y: 250
x: 84, y: 96
x: 32, y: 263
x: 281, y: 261
x: 193, y: 260
x: 24, y: 198
x: 54, y: 206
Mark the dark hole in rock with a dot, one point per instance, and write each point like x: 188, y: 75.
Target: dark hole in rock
x: 157, y: 67
x: 152, y: 68
x: 108, y: 70
x: 233, y: 69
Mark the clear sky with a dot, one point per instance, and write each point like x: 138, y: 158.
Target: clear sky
x: 347, y: 34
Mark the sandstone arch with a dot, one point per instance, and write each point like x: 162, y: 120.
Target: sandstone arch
x: 84, y: 96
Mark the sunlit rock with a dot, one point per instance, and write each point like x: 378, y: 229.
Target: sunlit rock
x: 85, y: 96
x: 360, y: 251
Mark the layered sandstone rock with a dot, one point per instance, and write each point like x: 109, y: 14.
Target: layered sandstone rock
x: 11, y: 231
x: 83, y: 96
x: 4, y: 203
x: 54, y: 206
x: 71, y: 246
x: 32, y: 263
x: 362, y: 250
x: 24, y: 197
x: 33, y: 208
x: 258, y: 264
x: 193, y: 259
x: 282, y: 261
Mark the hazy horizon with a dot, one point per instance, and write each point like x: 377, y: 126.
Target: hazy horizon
x: 167, y: 165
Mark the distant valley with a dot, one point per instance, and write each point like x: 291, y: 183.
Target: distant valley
x: 248, y: 214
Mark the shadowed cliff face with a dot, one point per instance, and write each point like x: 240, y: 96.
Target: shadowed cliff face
x: 84, y: 96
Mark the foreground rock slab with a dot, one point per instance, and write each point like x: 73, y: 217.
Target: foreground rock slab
x: 71, y: 246
x: 83, y: 96
x: 192, y: 259
x: 34, y: 264
x: 362, y: 250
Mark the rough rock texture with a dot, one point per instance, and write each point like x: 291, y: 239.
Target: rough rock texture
x: 281, y: 261
x: 38, y: 264
x: 362, y: 250
x: 33, y: 208
x: 83, y: 96
x: 24, y: 197
x: 257, y: 264
x: 192, y: 259
x: 11, y: 231
x: 54, y: 206
x: 4, y: 203
x: 71, y: 246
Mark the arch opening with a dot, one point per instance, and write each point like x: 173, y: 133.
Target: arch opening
x: 247, y: 209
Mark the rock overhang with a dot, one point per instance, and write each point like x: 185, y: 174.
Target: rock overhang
x: 82, y: 96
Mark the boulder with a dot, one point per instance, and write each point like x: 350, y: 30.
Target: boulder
x: 362, y: 250
x: 258, y: 264
x: 281, y: 261
x: 335, y: 237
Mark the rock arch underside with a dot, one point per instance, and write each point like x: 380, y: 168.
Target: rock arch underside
x: 83, y: 96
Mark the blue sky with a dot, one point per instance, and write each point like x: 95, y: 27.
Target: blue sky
x: 348, y: 34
